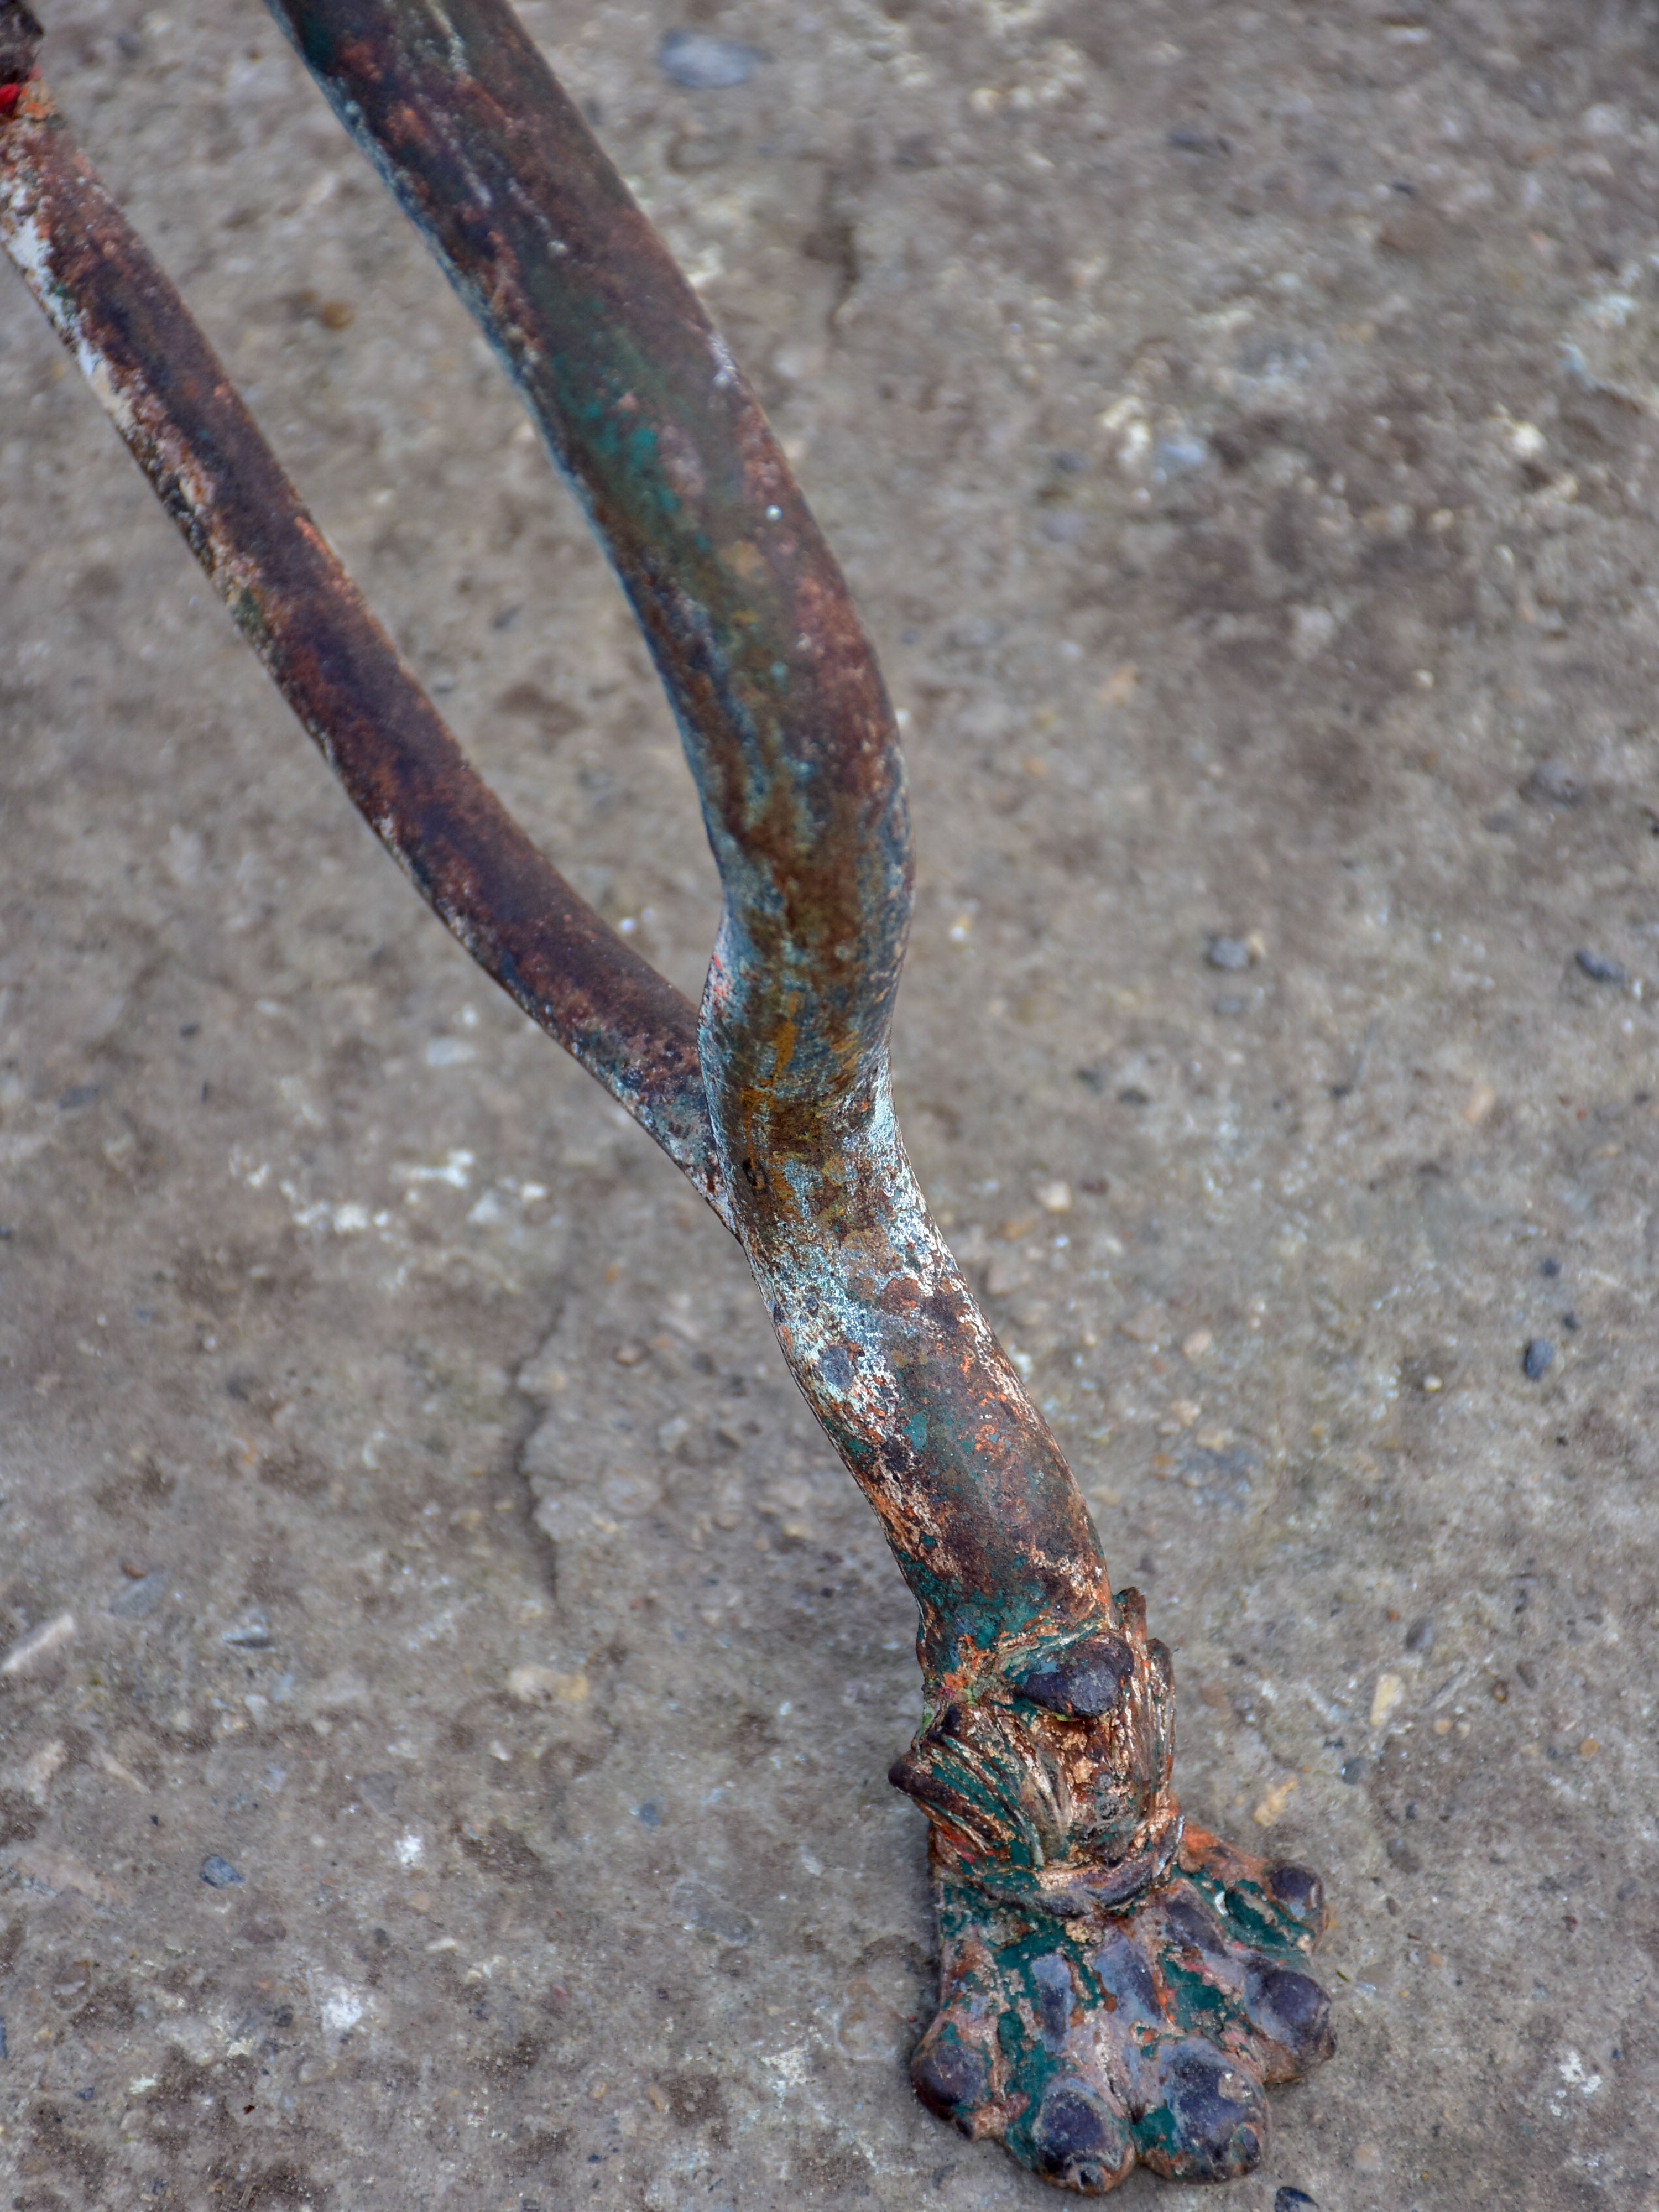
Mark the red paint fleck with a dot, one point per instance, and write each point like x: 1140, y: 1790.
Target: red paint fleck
x: 9, y: 95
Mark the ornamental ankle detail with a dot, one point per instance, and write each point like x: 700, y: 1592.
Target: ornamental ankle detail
x: 1116, y: 1986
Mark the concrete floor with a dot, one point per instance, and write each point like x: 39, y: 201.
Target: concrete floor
x: 442, y: 1753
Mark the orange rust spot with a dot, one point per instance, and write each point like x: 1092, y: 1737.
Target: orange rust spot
x: 745, y: 560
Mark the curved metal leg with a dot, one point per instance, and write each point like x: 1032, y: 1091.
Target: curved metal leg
x: 1115, y: 1987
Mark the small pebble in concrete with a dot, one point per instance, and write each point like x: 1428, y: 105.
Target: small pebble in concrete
x: 1554, y: 780
x: 1420, y: 1636
x: 1479, y: 1104
x: 1228, y: 1006
x: 1274, y: 1801
x: 1351, y: 1771
x: 252, y: 1636
x: 217, y: 1873
x: 1294, y: 2200
x: 32, y: 1650
x: 1232, y: 953
x: 530, y: 1685
x: 1180, y: 455
x: 1599, y: 967
x: 1549, y: 1269
x: 698, y: 62
x: 1536, y: 1358
x: 2, y: 2040
x: 649, y: 1815
x: 136, y: 1600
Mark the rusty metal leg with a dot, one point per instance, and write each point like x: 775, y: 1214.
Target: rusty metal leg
x: 169, y: 397
x: 1115, y: 1987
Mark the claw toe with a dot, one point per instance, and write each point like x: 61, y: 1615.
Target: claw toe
x: 1078, y: 2142
x: 1210, y: 2123
x: 951, y: 2078
x: 1299, y: 1892
x: 1292, y: 2010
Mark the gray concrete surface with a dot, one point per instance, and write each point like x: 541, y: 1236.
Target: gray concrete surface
x: 1239, y: 425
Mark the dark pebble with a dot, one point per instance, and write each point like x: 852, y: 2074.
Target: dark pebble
x: 1599, y: 967
x: 1294, y: 2200
x: 699, y: 62
x: 1549, y: 1269
x: 1569, y: 1321
x: 1420, y: 1636
x: 79, y: 1095
x: 252, y: 1636
x: 649, y: 1815
x: 1228, y: 952
x: 2, y: 2038
x: 217, y: 1873
x: 1536, y: 1358
x: 1351, y: 1771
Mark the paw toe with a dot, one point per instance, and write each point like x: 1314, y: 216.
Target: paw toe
x: 1078, y: 2141
x: 951, y: 2077
x: 1293, y: 2010
x: 1212, y: 2121
x: 1298, y: 1891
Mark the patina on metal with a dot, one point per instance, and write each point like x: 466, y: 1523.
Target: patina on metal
x: 1116, y: 1987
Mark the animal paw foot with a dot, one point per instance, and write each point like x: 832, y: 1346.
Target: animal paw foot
x: 1144, y: 2034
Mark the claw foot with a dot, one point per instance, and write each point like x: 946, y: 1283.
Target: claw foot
x: 1115, y: 1989
x: 1148, y: 2034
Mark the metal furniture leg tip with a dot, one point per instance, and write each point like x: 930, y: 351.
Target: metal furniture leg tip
x: 1117, y: 1988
